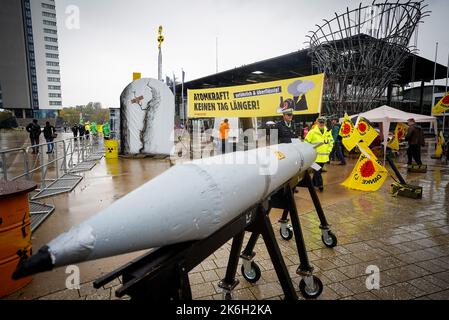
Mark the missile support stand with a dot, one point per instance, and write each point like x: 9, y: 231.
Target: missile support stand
x: 162, y: 274
x: 310, y: 286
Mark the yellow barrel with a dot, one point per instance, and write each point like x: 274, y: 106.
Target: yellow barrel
x: 111, y: 149
x: 15, y: 232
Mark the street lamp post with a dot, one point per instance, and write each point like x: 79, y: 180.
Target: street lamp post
x: 160, y: 40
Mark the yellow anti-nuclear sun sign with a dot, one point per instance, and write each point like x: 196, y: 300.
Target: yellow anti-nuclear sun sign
x: 301, y: 95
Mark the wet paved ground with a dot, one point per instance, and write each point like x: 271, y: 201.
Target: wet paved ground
x: 408, y: 240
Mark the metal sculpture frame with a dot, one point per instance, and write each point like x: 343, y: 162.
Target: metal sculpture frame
x: 362, y: 51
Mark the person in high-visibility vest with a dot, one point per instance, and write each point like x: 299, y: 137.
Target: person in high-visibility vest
x: 106, y: 131
x: 224, y: 135
x: 320, y: 134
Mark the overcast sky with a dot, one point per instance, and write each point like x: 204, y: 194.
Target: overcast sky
x: 118, y: 37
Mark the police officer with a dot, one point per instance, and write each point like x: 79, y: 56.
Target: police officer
x: 320, y: 134
x: 285, y: 128
x: 286, y: 132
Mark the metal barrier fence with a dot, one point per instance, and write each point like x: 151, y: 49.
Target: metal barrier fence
x: 67, y: 154
x: 54, y: 172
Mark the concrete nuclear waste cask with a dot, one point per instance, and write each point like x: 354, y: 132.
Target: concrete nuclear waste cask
x: 147, y: 112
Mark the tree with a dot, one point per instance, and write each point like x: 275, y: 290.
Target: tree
x: 70, y: 115
x: 92, y: 112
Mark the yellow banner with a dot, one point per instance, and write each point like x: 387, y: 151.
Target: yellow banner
x: 394, y: 143
x: 401, y: 131
x: 366, y: 132
x: 350, y: 136
x: 267, y: 99
x: 442, y: 106
x: 399, y: 134
x: 368, y: 173
x: 441, y: 142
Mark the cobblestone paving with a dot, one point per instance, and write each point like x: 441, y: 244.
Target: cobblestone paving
x: 408, y: 240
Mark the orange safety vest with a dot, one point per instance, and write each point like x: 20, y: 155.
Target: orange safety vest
x: 224, y: 131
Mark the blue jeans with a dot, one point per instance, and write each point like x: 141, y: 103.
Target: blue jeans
x: 337, y: 151
x: 224, y: 146
x: 50, y: 145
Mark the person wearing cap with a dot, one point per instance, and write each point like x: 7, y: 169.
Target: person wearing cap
x: 286, y: 128
x: 415, y: 138
x: 320, y: 135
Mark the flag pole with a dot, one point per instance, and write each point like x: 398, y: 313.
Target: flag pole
x: 447, y: 78
x: 184, y: 115
x: 216, y: 55
x: 433, y: 91
x: 160, y: 40
x: 434, y: 76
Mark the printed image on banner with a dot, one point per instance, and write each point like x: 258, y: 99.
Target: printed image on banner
x: 442, y: 106
x: 366, y: 131
x: 350, y: 136
x: 368, y: 173
x: 268, y: 99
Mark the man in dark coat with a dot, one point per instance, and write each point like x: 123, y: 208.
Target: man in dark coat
x: 49, y: 135
x: 81, y: 131
x: 34, y: 129
x: 415, y: 138
x: 75, y: 131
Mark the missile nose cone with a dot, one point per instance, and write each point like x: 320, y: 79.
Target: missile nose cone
x: 39, y: 262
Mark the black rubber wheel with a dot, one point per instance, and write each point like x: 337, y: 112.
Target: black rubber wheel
x: 253, y: 275
x: 332, y: 241
x: 288, y: 235
x: 308, y: 293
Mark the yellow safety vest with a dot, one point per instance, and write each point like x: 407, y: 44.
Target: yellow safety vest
x: 315, y: 136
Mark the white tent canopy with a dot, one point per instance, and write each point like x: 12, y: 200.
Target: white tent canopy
x: 392, y: 115
x: 387, y: 115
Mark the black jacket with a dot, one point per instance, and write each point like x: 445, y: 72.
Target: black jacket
x: 415, y: 136
x: 75, y: 131
x: 34, y: 130
x: 48, y: 132
x: 285, y: 134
